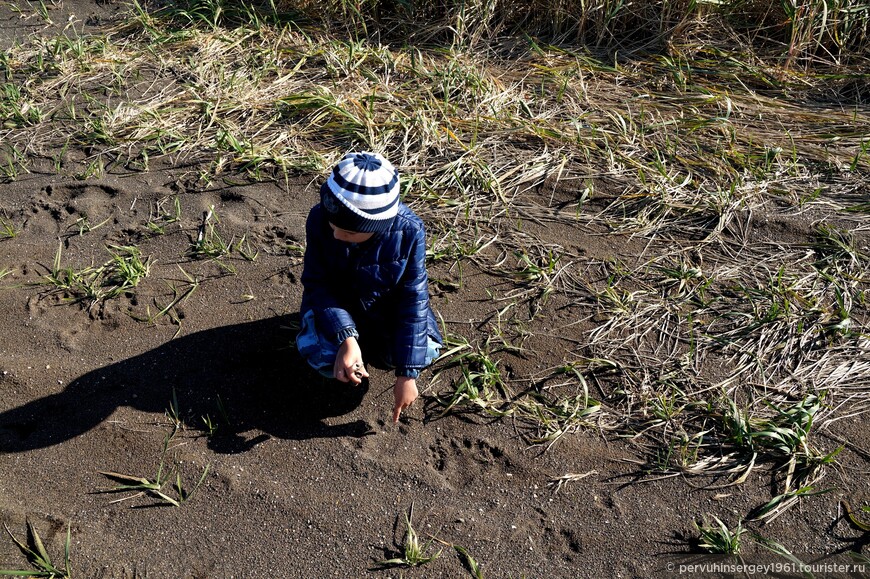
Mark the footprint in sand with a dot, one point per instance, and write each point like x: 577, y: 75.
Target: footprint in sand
x: 460, y: 462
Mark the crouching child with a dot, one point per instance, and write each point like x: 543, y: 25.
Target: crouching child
x: 365, y: 286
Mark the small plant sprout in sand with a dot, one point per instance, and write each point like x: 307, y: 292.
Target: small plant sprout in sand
x: 126, y: 269
x: 536, y: 269
x: 853, y: 517
x: 12, y: 165
x: 469, y: 562
x: 38, y: 558
x: 142, y: 486
x: 222, y: 410
x: 481, y: 387
x: 93, y: 284
x: 835, y: 247
x: 209, y: 425
x: 860, y: 558
x: 84, y: 225
x: 243, y: 247
x: 547, y: 415
x: 413, y: 553
x: 179, y: 296
x: 161, y: 217
x: 173, y: 413
x: 719, y: 539
x: 7, y: 229
x: 784, y: 440
x: 209, y: 244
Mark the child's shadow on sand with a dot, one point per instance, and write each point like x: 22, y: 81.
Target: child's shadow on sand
x: 244, y: 377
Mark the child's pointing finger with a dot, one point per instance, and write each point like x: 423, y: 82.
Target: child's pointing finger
x: 404, y: 393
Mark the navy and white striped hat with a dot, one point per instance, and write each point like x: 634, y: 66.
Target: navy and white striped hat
x: 362, y: 193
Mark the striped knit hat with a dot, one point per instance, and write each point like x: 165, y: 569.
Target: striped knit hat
x: 362, y: 193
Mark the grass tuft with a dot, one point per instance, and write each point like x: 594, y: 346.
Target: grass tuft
x: 154, y: 487
x: 480, y: 387
x: 719, y: 539
x: 37, y: 556
x: 126, y: 269
x: 414, y: 553
x: 7, y: 229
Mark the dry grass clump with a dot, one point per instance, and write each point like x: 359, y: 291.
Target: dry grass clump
x: 809, y: 28
x: 265, y: 98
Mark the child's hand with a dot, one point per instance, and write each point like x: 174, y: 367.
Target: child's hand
x: 404, y: 392
x: 349, y: 364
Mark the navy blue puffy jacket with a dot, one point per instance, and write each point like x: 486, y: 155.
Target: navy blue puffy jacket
x: 378, y: 287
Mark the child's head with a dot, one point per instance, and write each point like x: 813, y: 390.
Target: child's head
x: 361, y: 194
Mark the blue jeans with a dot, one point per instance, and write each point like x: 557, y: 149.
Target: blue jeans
x: 320, y: 351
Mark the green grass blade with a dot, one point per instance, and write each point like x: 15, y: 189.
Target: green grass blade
x: 854, y: 519
x: 66, y: 549
x: 469, y: 561
x: 125, y: 477
x: 40, y: 548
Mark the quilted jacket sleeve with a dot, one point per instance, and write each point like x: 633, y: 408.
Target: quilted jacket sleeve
x: 318, y: 292
x: 412, y: 306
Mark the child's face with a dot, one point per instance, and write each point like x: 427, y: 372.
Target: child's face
x: 349, y: 236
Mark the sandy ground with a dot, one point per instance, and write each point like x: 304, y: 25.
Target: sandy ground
x: 307, y: 478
